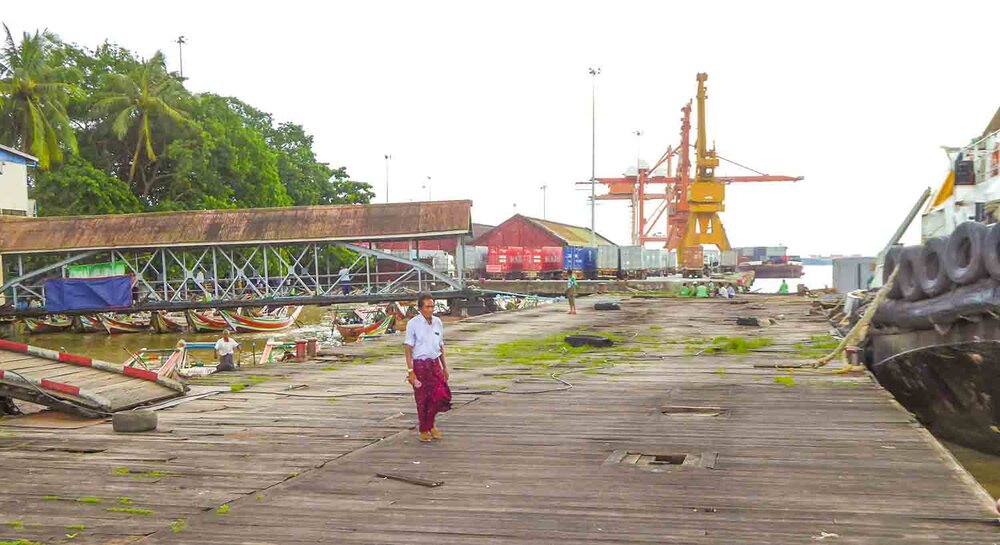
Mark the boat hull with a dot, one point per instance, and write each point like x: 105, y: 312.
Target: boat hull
x: 773, y: 270
x: 163, y: 322
x: 87, y: 324
x: 52, y: 324
x: 262, y: 324
x: 205, y: 323
x: 118, y: 325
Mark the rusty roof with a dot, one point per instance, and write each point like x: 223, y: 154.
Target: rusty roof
x: 571, y: 234
x: 251, y: 225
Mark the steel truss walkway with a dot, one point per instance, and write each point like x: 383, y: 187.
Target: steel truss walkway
x: 229, y: 258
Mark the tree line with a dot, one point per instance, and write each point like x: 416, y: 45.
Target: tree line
x: 115, y: 133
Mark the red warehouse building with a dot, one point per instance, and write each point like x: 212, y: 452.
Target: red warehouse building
x: 523, y: 231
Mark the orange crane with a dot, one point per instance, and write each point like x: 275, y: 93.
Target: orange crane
x: 692, y: 206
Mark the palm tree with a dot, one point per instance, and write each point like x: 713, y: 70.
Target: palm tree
x: 34, y: 91
x: 131, y: 100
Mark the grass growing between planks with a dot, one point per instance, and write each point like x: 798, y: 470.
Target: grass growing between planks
x: 543, y: 351
x: 737, y: 345
x: 816, y: 347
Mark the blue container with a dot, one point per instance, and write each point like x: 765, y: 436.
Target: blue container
x: 576, y: 258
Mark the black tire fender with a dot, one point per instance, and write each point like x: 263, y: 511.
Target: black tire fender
x: 991, y: 251
x: 929, y: 267
x: 907, y: 277
x: 963, y: 256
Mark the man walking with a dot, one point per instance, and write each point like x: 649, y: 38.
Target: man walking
x: 224, y: 348
x: 426, y: 368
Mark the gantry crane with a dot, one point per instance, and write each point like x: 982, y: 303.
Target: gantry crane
x: 692, y: 205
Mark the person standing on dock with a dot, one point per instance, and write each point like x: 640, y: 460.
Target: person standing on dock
x: 571, y: 285
x: 426, y: 368
x: 224, y: 349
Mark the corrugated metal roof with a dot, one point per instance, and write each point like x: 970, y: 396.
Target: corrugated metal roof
x: 202, y: 227
x: 573, y: 235
x: 27, y: 158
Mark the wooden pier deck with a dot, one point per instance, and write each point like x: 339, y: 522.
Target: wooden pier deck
x: 775, y: 458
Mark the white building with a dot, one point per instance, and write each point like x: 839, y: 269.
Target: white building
x: 14, y: 199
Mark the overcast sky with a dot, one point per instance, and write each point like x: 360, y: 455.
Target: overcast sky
x: 492, y: 100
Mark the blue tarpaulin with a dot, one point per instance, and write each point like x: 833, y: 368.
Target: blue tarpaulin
x: 107, y: 293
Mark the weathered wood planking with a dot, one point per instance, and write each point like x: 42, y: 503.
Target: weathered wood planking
x: 829, y: 454
x: 118, y: 391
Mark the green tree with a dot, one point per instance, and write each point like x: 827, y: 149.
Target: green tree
x: 34, y: 90
x: 133, y: 103
x: 230, y: 165
x: 76, y: 187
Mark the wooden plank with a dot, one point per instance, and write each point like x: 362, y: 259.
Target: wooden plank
x: 519, y: 469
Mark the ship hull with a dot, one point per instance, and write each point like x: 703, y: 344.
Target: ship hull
x: 771, y: 270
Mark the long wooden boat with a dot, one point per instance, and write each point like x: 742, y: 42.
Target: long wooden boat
x: 382, y: 328
x: 166, y: 322
x: 353, y: 332
x: 254, y: 324
x: 87, y: 324
x: 117, y: 324
x: 48, y: 324
x: 205, y: 322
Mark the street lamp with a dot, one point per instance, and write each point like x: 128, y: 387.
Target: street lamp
x: 543, y: 200
x: 180, y: 41
x: 594, y: 72
x: 427, y: 186
x: 387, y: 158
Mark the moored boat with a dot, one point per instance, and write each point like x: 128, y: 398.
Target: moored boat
x: 167, y: 322
x: 87, y: 324
x: 117, y: 324
x: 257, y: 324
x: 205, y: 322
x: 48, y: 324
x: 353, y: 332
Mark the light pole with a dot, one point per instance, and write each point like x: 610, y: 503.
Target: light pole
x: 427, y: 186
x: 637, y: 208
x: 180, y: 53
x: 543, y: 200
x: 593, y: 152
x: 387, y: 158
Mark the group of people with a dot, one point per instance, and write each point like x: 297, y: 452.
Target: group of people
x: 710, y: 289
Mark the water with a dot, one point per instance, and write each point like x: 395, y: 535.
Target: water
x: 984, y: 467
x: 116, y: 348
x: 814, y: 277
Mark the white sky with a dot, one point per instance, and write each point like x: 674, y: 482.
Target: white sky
x: 492, y: 100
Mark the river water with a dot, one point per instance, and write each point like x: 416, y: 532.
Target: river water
x: 813, y: 276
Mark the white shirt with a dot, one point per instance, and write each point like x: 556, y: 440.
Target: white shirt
x: 345, y: 275
x: 425, y: 339
x: 224, y: 347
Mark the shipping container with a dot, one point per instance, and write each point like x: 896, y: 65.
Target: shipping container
x: 607, y: 260
x: 729, y: 259
x: 775, y: 251
x: 578, y: 258
x: 475, y: 258
x: 531, y: 263
x: 630, y: 260
x: 693, y: 261
x: 552, y: 261
x: 505, y: 262
x: 651, y: 260
x: 671, y: 261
